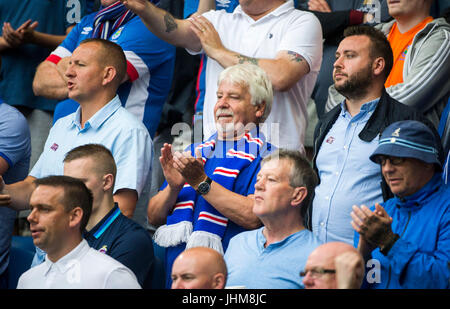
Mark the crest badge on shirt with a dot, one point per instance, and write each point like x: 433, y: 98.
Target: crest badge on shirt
x: 403, y: 55
x: 116, y: 34
x: 86, y: 30
x: 223, y: 3
x: 330, y: 140
x: 54, y: 147
x: 103, y: 249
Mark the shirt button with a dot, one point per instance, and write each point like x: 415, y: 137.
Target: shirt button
x: 337, y: 173
x: 327, y: 198
x: 322, y: 223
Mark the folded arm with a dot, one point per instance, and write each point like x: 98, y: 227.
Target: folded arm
x: 17, y: 195
x: 286, y: 69
x: 50, y: 80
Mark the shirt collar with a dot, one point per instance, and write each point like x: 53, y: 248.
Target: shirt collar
x: 287, y: 6
x: 367, y: 107
x: 99, y: 117
x: 98, y: 230
x: 262, y: 239
x: 69, y: 260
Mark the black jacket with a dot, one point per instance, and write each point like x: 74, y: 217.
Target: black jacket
x: 388, y: 111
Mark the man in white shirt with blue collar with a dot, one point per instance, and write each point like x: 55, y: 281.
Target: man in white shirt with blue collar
x: 96, y: 70
x: 60, y: 210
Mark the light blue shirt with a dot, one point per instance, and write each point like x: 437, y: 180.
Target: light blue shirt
x: 347, y: 176
x: 277, y: 266
x: 15, y: 149
x: 112, y: 126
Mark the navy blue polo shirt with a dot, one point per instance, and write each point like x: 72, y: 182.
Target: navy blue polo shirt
x: 126, y: 241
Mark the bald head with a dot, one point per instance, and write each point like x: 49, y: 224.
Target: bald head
x: 199, y: 268
x: 329, y: 251
x: 322, y: 263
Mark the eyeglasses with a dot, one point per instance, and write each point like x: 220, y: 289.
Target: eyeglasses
x: 394, y: 160
x: 317, y: 272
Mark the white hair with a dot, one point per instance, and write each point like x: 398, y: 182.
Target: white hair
x: 257, y: 81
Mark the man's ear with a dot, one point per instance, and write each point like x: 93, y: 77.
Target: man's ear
x: 108, y: 182
x: 76, y: 216
x: 109, y: 73
x: 260, y: 109
x: 378, y: 65
x: 218, y: 281
x: 298, y: 195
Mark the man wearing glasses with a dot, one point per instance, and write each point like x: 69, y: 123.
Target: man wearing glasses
x: 334, y: 265
x: 409, y: 235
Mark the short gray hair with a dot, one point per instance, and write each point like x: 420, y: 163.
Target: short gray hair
x: 302, y: 173
x: 257, y: 81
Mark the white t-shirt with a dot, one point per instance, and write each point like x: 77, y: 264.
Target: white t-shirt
x: 284, y: 29
x: 81, y: 268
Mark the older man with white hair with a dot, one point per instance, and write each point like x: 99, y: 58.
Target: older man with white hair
x: 207, y: 196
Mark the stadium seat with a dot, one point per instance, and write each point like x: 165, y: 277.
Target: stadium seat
x: 20, y: 257
x: 158, y: 273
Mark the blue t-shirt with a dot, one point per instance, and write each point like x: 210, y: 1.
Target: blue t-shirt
x: 126, y: 241
x: 15, y: 149
x: 277, y: 266
x: 19, y: 64
x: 150, y: 63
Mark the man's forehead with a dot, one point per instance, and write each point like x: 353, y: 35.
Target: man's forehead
x: 354, y: 43
x: 235, y: 86
x: 46, y: 193
x: 86, y: 51
x: 278, y: 167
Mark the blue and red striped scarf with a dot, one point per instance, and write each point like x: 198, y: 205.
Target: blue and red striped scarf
x: 109, y: 19
x: 229, y: 159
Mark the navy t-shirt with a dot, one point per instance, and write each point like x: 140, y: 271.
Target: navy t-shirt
x: 126, y: 241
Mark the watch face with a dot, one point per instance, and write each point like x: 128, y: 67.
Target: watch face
x: 203, y: 188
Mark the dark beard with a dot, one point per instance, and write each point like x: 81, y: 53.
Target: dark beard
x: 357, y: 85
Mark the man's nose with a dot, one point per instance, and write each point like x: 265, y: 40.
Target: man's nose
x: 69, y: 71
x: 388, y: 166
x: 176, y: 284
x: 222, y: 102
x: 32, y: 217
x: 338, y: 63
x: 259, y: 185
x: 308, y: 280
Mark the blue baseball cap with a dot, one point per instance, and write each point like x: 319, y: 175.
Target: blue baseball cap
x: 409, y: 139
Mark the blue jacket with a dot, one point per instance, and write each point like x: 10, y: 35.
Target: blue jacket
x: 419, y: 259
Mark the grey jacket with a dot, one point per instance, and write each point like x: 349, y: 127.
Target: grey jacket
x: 426, y: 73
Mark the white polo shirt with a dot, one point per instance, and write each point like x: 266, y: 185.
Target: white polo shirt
x: 113, y: 127
x: 284, y: 29
x: 81, y: 268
